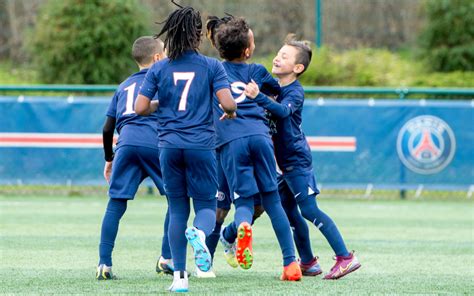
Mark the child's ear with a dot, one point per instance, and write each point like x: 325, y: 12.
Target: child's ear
x: 298, y: 68
x: 247, y: 53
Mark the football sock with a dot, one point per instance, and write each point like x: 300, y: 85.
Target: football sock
x: 179, y: 208
x: 110, y: 224
x: 243, y: 213
x: 213, y: 238
x: 272, y: 205
x: 205, y: 211
x: 165, y: 244
x: 300, y: 229
x: 309, y: 210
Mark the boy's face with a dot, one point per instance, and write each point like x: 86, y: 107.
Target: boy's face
x: 285, y: 61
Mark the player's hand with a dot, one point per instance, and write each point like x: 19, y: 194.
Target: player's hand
x: 108, y: 170
x: 228, y: 116
x: 252, y: 90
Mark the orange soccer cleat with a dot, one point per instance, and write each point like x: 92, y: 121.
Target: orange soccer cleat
x: 291, y: 272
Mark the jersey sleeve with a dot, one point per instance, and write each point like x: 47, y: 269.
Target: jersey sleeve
x: 149, y: 86
x: 269, y: 85
x: 288, y: 105
x: 112, y: 110
x: 219, y: 78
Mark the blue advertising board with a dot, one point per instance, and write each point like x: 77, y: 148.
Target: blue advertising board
x: 387, y: 143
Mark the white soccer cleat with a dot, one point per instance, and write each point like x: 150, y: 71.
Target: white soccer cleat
x: 229, y: 250
x: 205, y: 274
x: 180, y: 282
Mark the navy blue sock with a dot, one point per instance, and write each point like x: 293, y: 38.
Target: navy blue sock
x: 310, y: 210
x: 165, y: 244
x: 110, y: 224
x: 272, y: 205
x: 179, y: 208
x: 205, y: 214
x: 213, y: 238
x: 300, y: 229
x: 243, y: 213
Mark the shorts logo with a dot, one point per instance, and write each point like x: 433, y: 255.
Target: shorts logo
x: 220, y: 195
x: 426, y: 144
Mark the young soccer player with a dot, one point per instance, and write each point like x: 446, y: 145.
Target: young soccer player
x: 298, y: 185
x: 224, y: 200
x: 186, y: 82
x: 136, y: 155
x: 247, y: 151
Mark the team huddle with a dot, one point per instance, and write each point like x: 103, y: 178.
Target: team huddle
x: 197, y: 126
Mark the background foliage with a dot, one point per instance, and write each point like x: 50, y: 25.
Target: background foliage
x: 78, y: 41
x: 448, y: 38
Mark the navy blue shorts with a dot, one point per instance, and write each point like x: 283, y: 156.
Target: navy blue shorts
x: 249, y: 165
x: 224, y: 200
x: 189, y: 172
x: 131, y: 165
x: 298, y: 185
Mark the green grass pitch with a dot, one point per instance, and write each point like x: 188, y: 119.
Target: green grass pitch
x: 49, y: 245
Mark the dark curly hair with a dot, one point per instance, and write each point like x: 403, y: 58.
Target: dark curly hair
x: 183, y: 28
x: 229, y: 35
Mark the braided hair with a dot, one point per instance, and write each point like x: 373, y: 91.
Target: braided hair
x: 213, y: 23
x: 183, y: 29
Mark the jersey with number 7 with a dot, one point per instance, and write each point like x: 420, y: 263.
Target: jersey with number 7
x: 185, y: 89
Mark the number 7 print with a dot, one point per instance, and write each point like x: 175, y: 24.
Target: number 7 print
x: 188, y: 76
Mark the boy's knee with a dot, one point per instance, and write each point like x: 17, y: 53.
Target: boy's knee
x: 221, y: 214
x: 258, y: 211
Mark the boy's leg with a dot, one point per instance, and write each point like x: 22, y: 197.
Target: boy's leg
x: 201, y: 181
x: 223, y: 206
x: 110, y: 224
x: 297, y: 223
x: 303, y: 184
x: 263, y: 159
x: 126, y: 177
x: 174, y: 178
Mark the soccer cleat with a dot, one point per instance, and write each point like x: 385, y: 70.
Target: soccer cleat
x: 244, y: 245
x: 229, y: 251
x: 164, y: 266
x: 180, y: 282
x: 311, y: 268
x: 343, y: 266
x: 291, y: 272
x: 205, y: 275
x: 104, y: 272
x: 202, y: 256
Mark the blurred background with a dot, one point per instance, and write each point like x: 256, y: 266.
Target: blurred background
x: 364, y: 42
x: 60, y: 62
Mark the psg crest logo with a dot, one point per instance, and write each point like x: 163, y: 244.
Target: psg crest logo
x: 426, y: 144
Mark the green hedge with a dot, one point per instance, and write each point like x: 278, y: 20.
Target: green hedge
x: 87, y: 41
x: 374, y: 67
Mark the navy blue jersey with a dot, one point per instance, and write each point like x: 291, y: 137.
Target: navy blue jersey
x: 251, y: 119
x: 133, y: 129
x: 185, y: 89
x: 291, y: 148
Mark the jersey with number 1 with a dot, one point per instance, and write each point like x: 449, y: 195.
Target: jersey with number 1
x: 251, y: 118
x: 185, y: 89
x: 134, y: 130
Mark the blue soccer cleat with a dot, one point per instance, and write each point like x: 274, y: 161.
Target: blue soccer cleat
x: 311, y: 268
x: 197, y: 240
